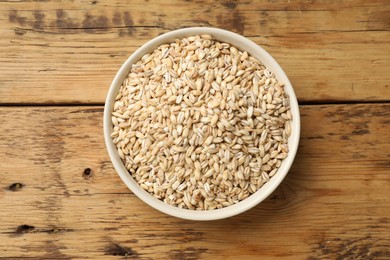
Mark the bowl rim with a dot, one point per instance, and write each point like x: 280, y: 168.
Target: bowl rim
x: 244, y: 44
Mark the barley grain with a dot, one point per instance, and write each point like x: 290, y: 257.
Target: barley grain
x: 200, y: 124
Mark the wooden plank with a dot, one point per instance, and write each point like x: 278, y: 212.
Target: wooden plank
x: 333, y: 203
x: 69, y: 53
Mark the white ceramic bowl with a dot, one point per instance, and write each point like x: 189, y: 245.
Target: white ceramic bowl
x: 243, y: 44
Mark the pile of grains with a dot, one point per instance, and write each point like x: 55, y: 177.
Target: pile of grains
x: 200, y: 124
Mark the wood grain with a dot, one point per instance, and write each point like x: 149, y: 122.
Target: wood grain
x: 68, y: 52
x: 61, y: 198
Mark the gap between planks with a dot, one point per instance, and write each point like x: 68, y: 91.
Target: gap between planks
x: 94, y: 104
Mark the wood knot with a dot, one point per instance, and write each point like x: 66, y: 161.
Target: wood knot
x: 24, y: 229
x: 15, y: 186
x: 87, y: 173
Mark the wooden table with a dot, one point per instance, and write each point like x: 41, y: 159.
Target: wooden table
x: 61, y: 198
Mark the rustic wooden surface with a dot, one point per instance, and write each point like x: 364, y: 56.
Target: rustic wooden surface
x: 69, y: 52
x: 60, y: 197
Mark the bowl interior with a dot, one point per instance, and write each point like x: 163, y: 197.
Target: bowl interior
x: 241, y: 43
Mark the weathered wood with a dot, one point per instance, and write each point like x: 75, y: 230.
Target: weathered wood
x: 70, y: 52
x: 61, y: 198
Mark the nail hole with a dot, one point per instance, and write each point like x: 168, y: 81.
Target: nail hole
x: 87, y: 173
x: 15, y: 186
x: 118, y: 250
x: 25, y: 229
